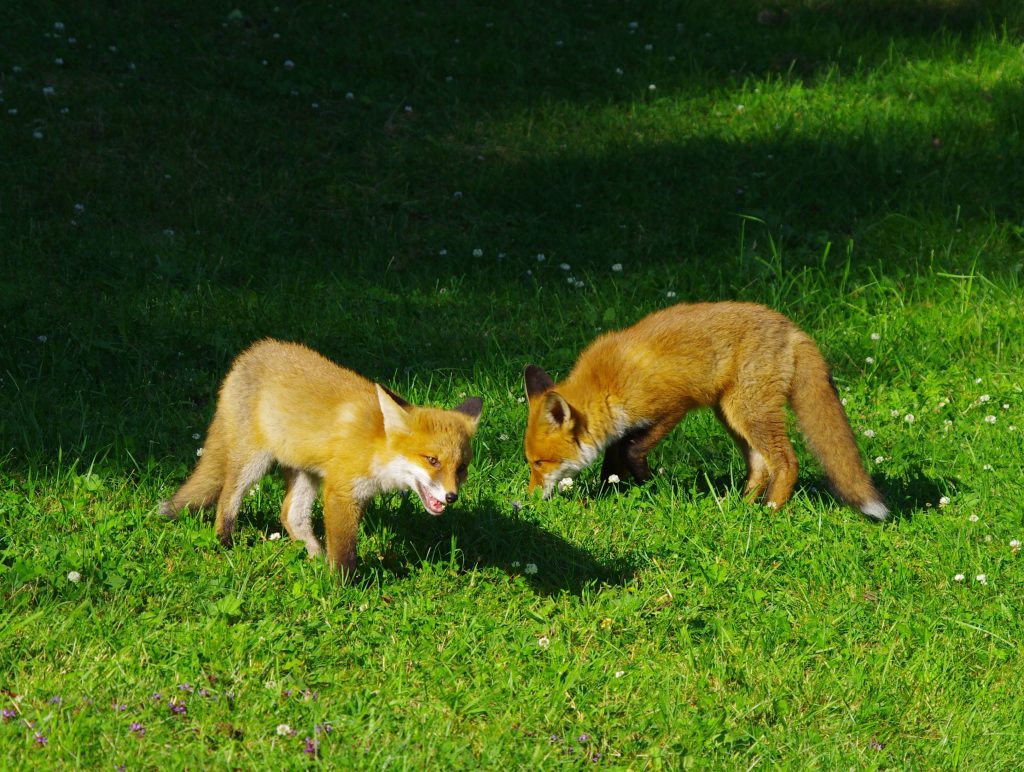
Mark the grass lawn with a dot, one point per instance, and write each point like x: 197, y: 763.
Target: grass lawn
x: 436, y: 194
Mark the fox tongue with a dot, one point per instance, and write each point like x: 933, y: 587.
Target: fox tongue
x: 433, y: 505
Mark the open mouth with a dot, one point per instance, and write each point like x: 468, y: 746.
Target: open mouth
x: 433, y: 506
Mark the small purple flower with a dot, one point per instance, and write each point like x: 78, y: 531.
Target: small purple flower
x: 55, y: 700
x: 324, y: 728
x: 875, y: 745
x: 186, y: 687
x: 8, y: 713
x: 310, y: 747
x: 554, y: 739
x: 584, y: 738
x: 156, y: 696
x: 178, y: 708
x: 120, y: 768
x: 203, y: 692
x: 286, y: 692
x: 138, y: 728
x: 119, y: 707
x: 596, y: 757
x: 41, y: 739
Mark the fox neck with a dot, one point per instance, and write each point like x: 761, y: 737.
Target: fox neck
x: 602, y: 419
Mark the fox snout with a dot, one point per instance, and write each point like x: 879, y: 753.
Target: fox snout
x: 451, y: 496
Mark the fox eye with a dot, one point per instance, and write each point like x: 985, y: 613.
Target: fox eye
x: 432, y: 460
x: 461, y: 470
x: 538, y: 463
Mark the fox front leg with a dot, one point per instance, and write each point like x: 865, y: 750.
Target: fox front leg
x: 342, y: 513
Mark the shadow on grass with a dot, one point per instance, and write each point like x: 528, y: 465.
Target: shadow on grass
x: 477, y: 536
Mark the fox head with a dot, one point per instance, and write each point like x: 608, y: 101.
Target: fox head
x: 428, y: 448
x: 555, y: 430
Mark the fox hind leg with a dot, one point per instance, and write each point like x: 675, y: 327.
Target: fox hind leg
x: 757, y: 467
x: 297, y: 509
x: 762, y: 426
x: 241, y: 477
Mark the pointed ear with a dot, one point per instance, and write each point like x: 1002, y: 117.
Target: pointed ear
x: 557, y: 411
x: 471, y: 408
x: 537, y: 381
x: 395, y: 418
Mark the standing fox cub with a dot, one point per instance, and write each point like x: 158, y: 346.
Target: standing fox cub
x: 320, y: 422
x: 629, y: 388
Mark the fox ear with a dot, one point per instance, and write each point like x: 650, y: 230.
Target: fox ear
x: 471, y: 408
x: 557, y: 411
x: 537, y: 381
x: 395, y: 417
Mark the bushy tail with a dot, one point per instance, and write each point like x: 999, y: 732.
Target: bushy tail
x: 828, y: 432
x: 203, y: 486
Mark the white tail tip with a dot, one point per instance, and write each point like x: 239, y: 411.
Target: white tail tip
x: 875, y: 509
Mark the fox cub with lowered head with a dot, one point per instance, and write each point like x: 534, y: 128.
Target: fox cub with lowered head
x: 629, y: 388
x: 322, y: 423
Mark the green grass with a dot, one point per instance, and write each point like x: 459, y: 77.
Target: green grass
x: 855, y: 165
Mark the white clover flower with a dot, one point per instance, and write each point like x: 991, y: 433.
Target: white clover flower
x: 740, y: 108
x: 521, y: 400
x: 408, y: 108
x: 973, y: 518
x: 543, y: 642
x: 578, y: 284
x: 869, y: 432
x: 289, y: 64
x: 620, y: 673
x: 349, y: 96
x: 195, y: 436
x: 959, y: 578
x: 59, y: 26
x: 652, y: 87
x: 634, y: 24
x: 977, y: 380
x: 613, y: 478
x: 274, y: 536
x: 879, y: 459
x: 478, y: 252
x: 909, y: 418
x: 943, y: 501
x: 541, y: 257
x: 48, y: 91
x: 947, y: 423
x: 41, y: 338
x: 1006, y: 406
x: 670, y: 294
x: 199, y: 452
x: 565, y: 484
x: 516, y: 564
x: 442, y: 252
x: 987, y: 468
x: 648, y: 47
x: 503, y: 437
x: 37, y: 134
x: 1015, y: 545
x: 981, y: 579
x: 876, y: 336
x: 894, y: 413
x: 618, y: 71
x: 869, y: 360
x: 984, y: 398
x: 79, y: 208
x: 990, y: 419
x: 617, y: 267
x: 74, y: 577
x: 283, y: 730
x: 564, y: 266
x: 530, y: 569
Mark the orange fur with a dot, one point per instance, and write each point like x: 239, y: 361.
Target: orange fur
x: 629, y: 388
x: 284, y: 403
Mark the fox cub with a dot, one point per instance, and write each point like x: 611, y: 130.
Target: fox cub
x: 322, y: 423
x: 629, y: 388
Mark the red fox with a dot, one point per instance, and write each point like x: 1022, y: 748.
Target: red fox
x: 320, y: 422
x: 629, y: 388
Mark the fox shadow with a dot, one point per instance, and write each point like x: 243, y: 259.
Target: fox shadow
x: 483, y: 534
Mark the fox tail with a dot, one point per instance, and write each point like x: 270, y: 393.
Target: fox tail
x: 824, y: 424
